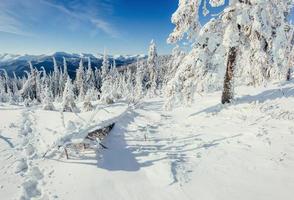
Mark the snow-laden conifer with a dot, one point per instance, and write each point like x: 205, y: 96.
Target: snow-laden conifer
x: 139, y: 87
x: 245, y: 44
x: 152, y: 69
x: 68, y: 101
x: 90, y: 77
x: 80, y: 81
x: 87, y: 105
x: 47, y: 99
x: 55, y: 78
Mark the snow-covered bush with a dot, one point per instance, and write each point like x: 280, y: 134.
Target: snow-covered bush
x: 48, y: 100
x: 68, y: 102
x: 87, y: 105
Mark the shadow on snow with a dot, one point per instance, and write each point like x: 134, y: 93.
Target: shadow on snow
x: 261, y: 98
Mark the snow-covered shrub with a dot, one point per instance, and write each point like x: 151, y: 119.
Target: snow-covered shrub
x: 48, y: 100
x: 87, y: 105
x: 27, y: 102
x: 68, y: 102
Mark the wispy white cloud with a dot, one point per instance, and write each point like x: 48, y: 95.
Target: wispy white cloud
x: 87, y: 11
x: 17, y: 17
x: 9, y: 22
x: 104, y: 26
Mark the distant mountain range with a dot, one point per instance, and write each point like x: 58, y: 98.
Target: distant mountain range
x: 19, y: 63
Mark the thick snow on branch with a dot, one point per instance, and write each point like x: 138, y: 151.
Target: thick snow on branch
x: 216, y: 3
x: 186, y: 20
x: 259, y: 30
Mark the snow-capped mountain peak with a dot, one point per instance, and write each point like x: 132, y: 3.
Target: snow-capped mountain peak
x: 19, y: 63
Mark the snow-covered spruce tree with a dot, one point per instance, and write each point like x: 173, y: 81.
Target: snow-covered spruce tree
x: 231, y: 42
x: 20, y: 83
x: 39, y: 86
x: 198, y: 62
x: 282, y: 32
x: 129, y: 86
x: 87, y: 105
x: 152, y: 70
x: 250, y: 34
x: 290, y: 57
x: 90, y: 78
x: 15, y: 89
x: 107, y: 89
x: 116, y: 82
x: 45, y: 81
x: 30, y: 88
x: 47, y: 100
x: 55, y: 78
x: 107, y: 82
x: 3, y: 95
x: 173, y: 64
x: 110, y: 85
x: 139, y: 88
x: 291, y: 65
x: 98, y: 81
x: 105, y: 66
x: 61, y: 86
x: 9, y: 88
x: 62, y: 78
x: 65, y: 70
x: 68, y: 101
x: 4, y: 83
x: 200, y: 70
x: 80, y: 81
x: 10, y: 96
x: 7, y: 79
x: 120, y: 85
x: 260, y: 29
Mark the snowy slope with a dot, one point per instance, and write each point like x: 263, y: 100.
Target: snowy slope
x: 207, y: 151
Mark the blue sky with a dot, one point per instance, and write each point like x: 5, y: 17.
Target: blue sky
x: 120, y: 26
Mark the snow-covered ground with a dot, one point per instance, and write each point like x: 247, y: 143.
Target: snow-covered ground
x: 207, y: 151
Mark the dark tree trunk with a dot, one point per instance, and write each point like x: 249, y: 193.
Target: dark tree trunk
x: 289, y: 74
x: 227, y: 95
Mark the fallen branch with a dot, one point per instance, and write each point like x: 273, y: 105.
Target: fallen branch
x: 94, y: 133
x: 94, y: 136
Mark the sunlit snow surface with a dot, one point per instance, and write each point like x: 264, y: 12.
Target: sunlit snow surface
x: 207, y: 151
